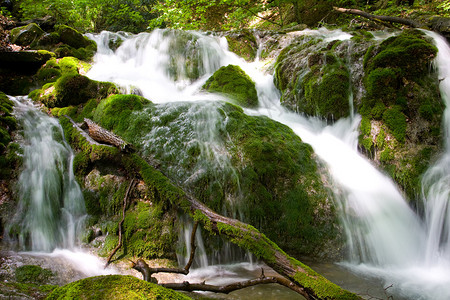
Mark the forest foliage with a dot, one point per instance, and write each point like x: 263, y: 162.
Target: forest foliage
x: 139, y: 15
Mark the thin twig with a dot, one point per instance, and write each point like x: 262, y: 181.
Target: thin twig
x: 119, y: 244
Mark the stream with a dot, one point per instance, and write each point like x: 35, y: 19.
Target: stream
x: 387, y: 240
x: 390, y: 246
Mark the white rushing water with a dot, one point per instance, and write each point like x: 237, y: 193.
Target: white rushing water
x: 51, y: 211
x: 385, y: 237
x: 51, y: 206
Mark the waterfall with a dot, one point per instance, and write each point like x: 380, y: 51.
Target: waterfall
x: 51, y: 207
x: 436, y: 181
x: 385, y: 236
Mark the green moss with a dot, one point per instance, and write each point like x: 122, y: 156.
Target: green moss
x: 386, y: 155
x: 323, y: 288
x: 377, y: 110
x: 32, y: 274
x: 408, y: 51
x: 382, y: 83
x: 9, y: 158
x: 234, y: 83
x: 380, y: 141
x: 114, y: 287
x: 26, y: 35
x: 115, y: 111
x: 325, y: 92
x: 243, y: 43
x: 46, y: 75
x: 69, y: 65
x: 396, y: 122
x: 72, y: 37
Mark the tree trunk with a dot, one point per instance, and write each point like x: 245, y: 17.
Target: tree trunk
x: 310, y: 284
x: 102, y: 135
x: 404, y: 21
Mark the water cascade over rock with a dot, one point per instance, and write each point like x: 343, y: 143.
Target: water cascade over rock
x: 51, y: 207
x: 385, y: 237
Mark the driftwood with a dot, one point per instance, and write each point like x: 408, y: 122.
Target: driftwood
x: 147, y: 272
x: 298, y: 276
x: 187, y: 286
x: 102, y: 135
x: 378, y: 18
x: 119, y: 243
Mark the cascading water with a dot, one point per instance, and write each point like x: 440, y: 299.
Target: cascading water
x: 51, y: 212
x: 51, y: 206
x: 436, y: 181
x: 385, y: 237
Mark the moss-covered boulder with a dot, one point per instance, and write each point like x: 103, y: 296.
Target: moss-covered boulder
x: 26, y: 35
x: 402, y: 109
x: 114, y: 287
x: 72, y: 89
x: 232, y: 82
x: 8, y: 151
x: 72, y: 37
x: 63, y: 85
x: 24, y: 62
x: 313, y: 78
x: 243, y: 43
x: 250, y: 167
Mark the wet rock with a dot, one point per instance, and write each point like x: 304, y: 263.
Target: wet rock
x: 234, y: 83
x: 25, y: 62
x: 26, y: 35
x: 243, y: 43
x: 72, y: 37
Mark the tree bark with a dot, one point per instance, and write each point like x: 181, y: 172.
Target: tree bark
x: 309, y: 283
x: 378, y: 18
x: 102, y: 135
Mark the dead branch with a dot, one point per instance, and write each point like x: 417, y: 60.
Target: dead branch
x: 378, y: 18
x: 102, y: 135
x: 119, y: 243
x: 147, y: 272
x: 89, y: 139
x: 225, y: 289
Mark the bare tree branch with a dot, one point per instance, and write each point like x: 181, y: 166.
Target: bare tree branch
x: 147, y: 272
x: 119, y: 243
x: 378, y: 18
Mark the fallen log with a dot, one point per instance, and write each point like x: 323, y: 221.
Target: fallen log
x: 102, y: 135
x: 147, y: 272
x: 226, y: 289
x: 307, y: 282
x: 379, y: 18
